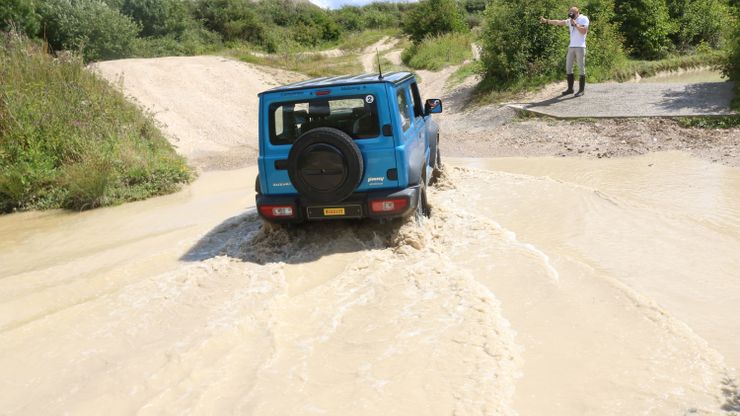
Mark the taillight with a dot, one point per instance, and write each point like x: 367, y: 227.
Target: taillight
x: 277, y: 211
x: 384, y: 206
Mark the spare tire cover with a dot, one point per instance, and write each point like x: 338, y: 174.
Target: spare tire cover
x: 325, y: 165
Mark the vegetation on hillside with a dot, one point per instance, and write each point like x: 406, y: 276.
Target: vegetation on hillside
x: 67, y: 139
x: 109, y: 29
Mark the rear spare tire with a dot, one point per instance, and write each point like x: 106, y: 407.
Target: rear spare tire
x: 325, y: 165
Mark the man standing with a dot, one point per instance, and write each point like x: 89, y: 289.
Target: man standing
x: 578, y: 26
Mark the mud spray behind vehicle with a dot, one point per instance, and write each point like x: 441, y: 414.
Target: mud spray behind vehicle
x: 361, y: 146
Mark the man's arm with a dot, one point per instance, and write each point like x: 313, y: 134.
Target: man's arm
x: 581, y: 28
x: 552, y: 22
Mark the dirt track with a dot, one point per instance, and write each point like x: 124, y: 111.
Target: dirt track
x: 539, y: 286
x: 207, y: 105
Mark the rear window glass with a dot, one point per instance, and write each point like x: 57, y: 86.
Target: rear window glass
x: 357, y: 116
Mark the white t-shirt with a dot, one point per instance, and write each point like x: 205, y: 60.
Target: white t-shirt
x: 577, y: 39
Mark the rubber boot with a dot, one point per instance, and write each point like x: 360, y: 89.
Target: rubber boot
x: 571, y: 79
x: 581, y: 85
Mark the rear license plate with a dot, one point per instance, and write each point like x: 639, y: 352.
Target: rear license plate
x: 333, y: 212
x: 347, y: 211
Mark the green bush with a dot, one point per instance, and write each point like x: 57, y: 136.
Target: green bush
x: 149, y: 14
x: 21, y: 14
x: 731, y: 68
x: 350, y: 18
x: 303, y: 23
x: 233, y: 19
x: 527, y: 52
x: 646, y: 27
x: 68, y: 139
x: 374, y: 16
x: 605, y: 50
x: 159, y: 17
x: 703, y: 21
x: 195, y: 41
x: 89, y: 26
x: 434, y: 18
x: 436, y: 52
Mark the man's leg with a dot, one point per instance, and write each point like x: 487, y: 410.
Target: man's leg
x: 569, y: 58
x: 581, y: 57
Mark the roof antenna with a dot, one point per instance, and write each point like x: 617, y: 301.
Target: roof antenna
x: 380, y: 70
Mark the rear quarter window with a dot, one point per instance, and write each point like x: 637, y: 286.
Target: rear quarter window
x: 403, y: 108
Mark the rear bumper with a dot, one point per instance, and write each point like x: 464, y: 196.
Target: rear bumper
x: 356, y: 206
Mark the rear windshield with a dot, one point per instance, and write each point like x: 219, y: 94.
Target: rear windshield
x: 357, y: 116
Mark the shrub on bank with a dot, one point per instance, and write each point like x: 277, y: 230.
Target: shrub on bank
x: 67, y: 139
x: 21, y: 14
x: 605, y: 51
x: 699, y: 22
x: 527, y: 52
x: 233, y: 19
x: 731, y: 68
x: 434, y: 18
x: 646, y: 27
x: 89, y: 26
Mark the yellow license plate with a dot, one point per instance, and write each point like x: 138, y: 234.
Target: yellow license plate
x: 333, y: 212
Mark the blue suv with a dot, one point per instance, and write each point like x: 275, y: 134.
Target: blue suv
x: 362, y: 146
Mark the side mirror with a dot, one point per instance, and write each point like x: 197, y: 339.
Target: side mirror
x: 433, y: 106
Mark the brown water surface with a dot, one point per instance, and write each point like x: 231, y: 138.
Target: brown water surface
x: 686, y: 77
x: 539, y: 286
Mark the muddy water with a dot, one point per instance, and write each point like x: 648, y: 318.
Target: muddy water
x: 686, y: 77
x: 540, y: 286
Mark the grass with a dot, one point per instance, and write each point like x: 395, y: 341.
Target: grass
x: 627, y: 70
x: 435, y: 53
x: 311, y: 64
x: 357, y: 41
x: 69, y: 140
x: 717, y: 122
x: 465, y: 71
x: 311, y: 61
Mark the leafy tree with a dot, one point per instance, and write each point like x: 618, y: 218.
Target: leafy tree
x: 433, y: 18
x: 21, y: 14
x: 646, y: 27
x: 703, y: 21
x: 90, y: 26
x: 149, y: 14
x: 305, y: 23
x: 731, y: 68
x: 350, y: 18
x: 605, y: 49
x: 517, y: 48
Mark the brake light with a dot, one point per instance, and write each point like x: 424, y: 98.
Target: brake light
x: 323, y: 92
x: 388, y: 205
x: 277, y: 211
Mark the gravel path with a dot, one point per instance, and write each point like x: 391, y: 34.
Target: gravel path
x: 612, y: 100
